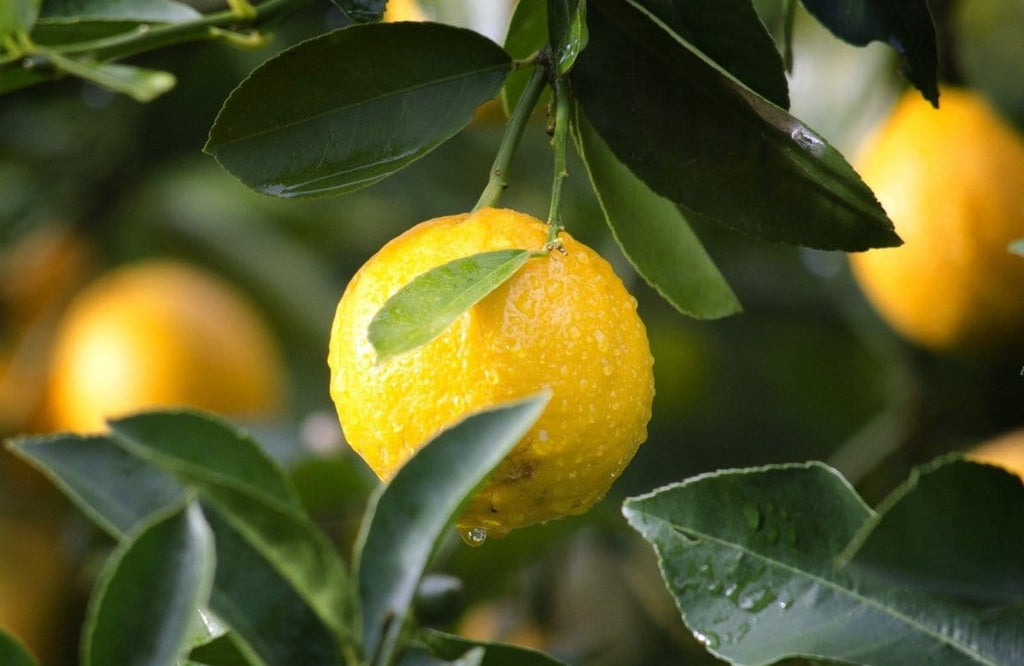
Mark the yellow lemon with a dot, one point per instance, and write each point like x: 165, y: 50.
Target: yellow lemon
x: 952, y: 180
x: 1006, y: 451
x: 563, y: 322
x: 161, y: 334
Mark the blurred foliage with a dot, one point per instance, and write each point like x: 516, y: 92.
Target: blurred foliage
x: 808, y: 371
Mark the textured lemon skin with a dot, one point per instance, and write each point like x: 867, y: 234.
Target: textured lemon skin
x: 161, y: 334
x: 952, y: 181
x: 563, y: 322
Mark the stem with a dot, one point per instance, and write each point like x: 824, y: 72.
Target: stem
x: 510, y: 140
x: 559, y: 142
x: 788, y: 20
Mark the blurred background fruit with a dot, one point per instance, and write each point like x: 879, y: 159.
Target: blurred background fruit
x: 952, y: 180
x: 162, y: 334
x: 1005, y: 450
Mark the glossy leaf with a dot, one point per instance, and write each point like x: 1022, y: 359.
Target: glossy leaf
x: 18, y: 16
x: 955, y: 528
x: 751, y: 558
x: 362, y: 11
x: 13, y: 653
x: 567, y: 32
x: 407, y: 517
x: 202, y: 446
x: 134, y: 11
x: 527, y: 34
x: 167, y: 569
x: 654, y: 235
x: 730, y: 33
x: 270, y: 578
x: 703, y: 140
x: 906, y: 26
x: 422, y: 309
x: 115, y: 489
x: 448, y: 647
x: 390, y: 94
x: 142, y: 85
x: 227, y: 650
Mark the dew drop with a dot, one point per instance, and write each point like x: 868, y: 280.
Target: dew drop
x: 757, y: 601
x: 753, y: 516
x: 709, y: 639
x: 807, y: 140
x: 475, y: 536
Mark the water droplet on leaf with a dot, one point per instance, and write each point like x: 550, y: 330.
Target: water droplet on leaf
x: 475, y: 536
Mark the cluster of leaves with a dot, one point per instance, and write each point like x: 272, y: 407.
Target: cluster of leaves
x: 213, y: 542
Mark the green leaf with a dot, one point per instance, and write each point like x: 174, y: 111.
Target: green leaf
x: 567, y: 31
x: 955, y: 528
x: 166, y: 569
x: 113, y: 488
x: 700, y: 138
x: 362, y: 11
x: 730, y: 33
x: 203, y: 447
x: 227, y: 650
x: 654, y: 235
x: 419, y: 311
x: 906, y: 26
x: 407, y: 517
x: 392, y: 93
x: 133, y: 11
x: 13, y: 653
x: 527, y: 34
x: 279, y: 584
x: 142, y: 85
x: 449, y: 647
x: 750, y: 556
x: 17, y: 16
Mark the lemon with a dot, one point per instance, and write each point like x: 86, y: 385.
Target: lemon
x: 1005, y: 450
x: 952, y: 180
x: 563, y: 322
x: 161, y: 334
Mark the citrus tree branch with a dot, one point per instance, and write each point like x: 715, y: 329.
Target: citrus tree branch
x: 510, y: 140
x: 559, y: 142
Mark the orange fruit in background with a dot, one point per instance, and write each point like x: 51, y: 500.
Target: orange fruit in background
x: 563, y: 322
x: 952, y: 181
x: 160, y: 334
x: 1006, y: 451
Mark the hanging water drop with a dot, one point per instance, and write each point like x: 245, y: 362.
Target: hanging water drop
x: 475, y: 536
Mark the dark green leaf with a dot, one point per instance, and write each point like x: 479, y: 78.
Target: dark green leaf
x: 276, y: 583
x: 136, y: 11
x: 203, y: 447
x: 390, y: 94
x: 730, y: 33
x: 115, y: 489
x: 706, y: 142
x: 17, y: 16
x: 13, y: 653
x: 750, y: 556
x: 955, y: 528
x: 449, y: 647
x: 14, y: 76
x: 362, y: 11
x: 422, y: 309
x: 567, y: 32
x: 527, y: 34
x: 143, y: 608
x: 905, y: 25
x: 407, y: 517
x: 226, y: 650
x: 142, y: 85
x: 654, y: 235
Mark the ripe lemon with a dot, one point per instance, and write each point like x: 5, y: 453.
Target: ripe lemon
x: 564, y: 322
x: 952, y: 180
x: 161, y: 334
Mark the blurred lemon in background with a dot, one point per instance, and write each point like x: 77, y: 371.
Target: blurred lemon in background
x: 157, y: 334
x: 1006, y: 451
x: 952, y: 181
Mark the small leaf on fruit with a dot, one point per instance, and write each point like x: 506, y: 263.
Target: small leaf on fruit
x: 422, y: 309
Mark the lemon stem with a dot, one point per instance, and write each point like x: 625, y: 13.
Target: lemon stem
x: 559, y: 142
x: 510, y: 140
